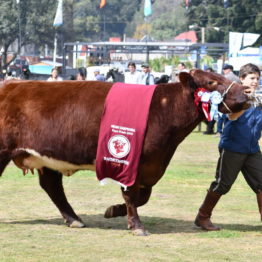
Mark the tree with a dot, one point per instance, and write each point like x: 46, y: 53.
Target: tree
x: 238, y: 16
x: 8, y: 28
x: 35, y: 25
x: 167, y: 20
x: 89, y: 19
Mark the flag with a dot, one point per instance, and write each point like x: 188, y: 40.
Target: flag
x: 238, y: 41
x: 102, y: 3
x: 235, y: 43
x: 249, y: 39
x: 59, y: 14
x: 225, y: 3
x: 148, y: 8
x: 187, y: 3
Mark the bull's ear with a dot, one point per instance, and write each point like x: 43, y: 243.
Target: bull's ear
x: 187, y: 80
x: 192, y: 72
x: 212, y: 84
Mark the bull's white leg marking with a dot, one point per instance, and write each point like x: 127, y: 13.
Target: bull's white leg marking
x: 35, y: 160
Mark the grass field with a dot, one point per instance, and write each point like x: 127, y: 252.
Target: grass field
x: 32, y: 230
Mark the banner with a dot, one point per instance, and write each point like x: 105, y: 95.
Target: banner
x: 59, y: 14
x: 238, y: 41
x: 148, y: 8
x: 249, y: 39
x: 235, y: 43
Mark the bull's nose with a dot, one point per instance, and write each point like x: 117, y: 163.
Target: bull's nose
x: 248, y: 91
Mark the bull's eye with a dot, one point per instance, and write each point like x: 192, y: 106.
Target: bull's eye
x: 211, y: 82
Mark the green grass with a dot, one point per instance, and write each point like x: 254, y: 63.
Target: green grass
x: 32, y: 230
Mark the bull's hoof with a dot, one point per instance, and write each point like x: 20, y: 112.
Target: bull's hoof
x: 77, y: 224
x: 115, y: 211
x: 140, y: 232
x: 109, y: 212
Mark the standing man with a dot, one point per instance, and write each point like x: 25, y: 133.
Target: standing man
x: 182, y: 67
x: 132, y: 77
x: 228, y: 73
x: 98, y: 76
x: 146, y: 78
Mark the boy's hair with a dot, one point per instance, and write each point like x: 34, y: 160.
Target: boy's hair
x: 248, y: 69
x: 131, y: 64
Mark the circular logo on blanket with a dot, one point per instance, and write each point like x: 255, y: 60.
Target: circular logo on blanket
x: 118, y: 146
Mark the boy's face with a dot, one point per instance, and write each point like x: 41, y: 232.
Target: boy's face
x: 251, y: 80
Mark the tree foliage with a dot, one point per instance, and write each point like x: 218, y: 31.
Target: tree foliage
x: 237, y: 16
x: 85, y: 21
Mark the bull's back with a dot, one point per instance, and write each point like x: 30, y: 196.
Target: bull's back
x: 58, y: 119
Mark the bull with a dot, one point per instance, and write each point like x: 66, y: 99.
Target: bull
x: 53, y: 127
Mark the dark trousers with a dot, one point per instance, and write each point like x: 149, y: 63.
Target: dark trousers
x: 230, y: 164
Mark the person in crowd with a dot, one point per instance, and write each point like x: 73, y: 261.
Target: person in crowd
x: 81, y: 73
x: 210, y: 70
x: 181, y: 67
x: 54, y: 75
x: 239, y: 151
x: 229, y: 74
x: 11, y: 75
x: 98, y: 76
x: 132, y: 77
x: 210, y: 124
x: 220, y: 124
x: 146, y: 78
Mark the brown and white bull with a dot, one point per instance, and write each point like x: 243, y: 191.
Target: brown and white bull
x: 53, y: 127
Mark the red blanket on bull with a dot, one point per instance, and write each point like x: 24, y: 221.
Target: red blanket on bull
x: 122, y: 131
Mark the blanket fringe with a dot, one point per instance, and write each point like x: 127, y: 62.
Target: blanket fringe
x: 109, y: 180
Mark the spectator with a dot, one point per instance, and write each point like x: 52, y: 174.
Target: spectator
x: 210, y: 70
x: 220, y: 124
x: 182, y: 67
x: 54, y: 75
x: 146, y: 78
x: 10, y: 75
x: 210, y: 124
x: 98, y: 76
x: 81, y: 74
x: 229, y: 74
x: 132, y: 77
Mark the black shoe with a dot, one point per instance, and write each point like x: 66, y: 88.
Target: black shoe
x: 208, y: 133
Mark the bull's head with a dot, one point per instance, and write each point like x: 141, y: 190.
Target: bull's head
x: 235, y: 97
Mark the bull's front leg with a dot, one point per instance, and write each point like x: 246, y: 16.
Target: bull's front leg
x: 120, y: 209
x: 51, y: 182
x: 131, y: 197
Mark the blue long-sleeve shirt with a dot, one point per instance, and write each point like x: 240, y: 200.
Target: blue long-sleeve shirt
x: 242, y: 135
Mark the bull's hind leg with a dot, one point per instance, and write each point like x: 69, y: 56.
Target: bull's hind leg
x: 5, y: 158
x: 51, y: 182
x: 120, y: 209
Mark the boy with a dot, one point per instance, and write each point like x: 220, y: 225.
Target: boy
x: 239, y: 151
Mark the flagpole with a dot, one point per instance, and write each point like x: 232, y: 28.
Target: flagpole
x: 19, y: 25
x: 104, y: 25
x: 55, y: 48
x: 57, y: 22
x: 147, y: 13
